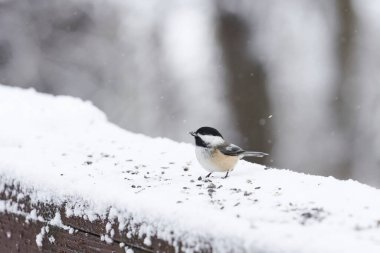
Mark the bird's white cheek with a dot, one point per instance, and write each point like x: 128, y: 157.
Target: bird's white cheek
x: 212, y: 140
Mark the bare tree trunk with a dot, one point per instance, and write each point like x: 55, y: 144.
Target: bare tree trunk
x: 344, y: 98
x: 246, y: 83
x: 365, y: 93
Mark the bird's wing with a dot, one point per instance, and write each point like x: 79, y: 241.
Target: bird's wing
x: 231, y: 149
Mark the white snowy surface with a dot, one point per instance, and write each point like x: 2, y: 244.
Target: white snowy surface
x: 63, y: 149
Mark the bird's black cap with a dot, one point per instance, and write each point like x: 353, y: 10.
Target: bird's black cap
x: 208, y: 131
x: 204, y: 131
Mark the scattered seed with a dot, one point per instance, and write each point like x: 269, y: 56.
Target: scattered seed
x: 247, y: 193
x: 307, y: 215
x: 211, y: 186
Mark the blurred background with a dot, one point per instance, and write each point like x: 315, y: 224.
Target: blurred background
x: 297, y: 79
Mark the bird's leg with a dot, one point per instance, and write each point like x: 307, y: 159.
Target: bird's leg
x: 226, y: 175
x: 209, y: 174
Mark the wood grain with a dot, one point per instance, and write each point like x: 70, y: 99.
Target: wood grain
x: 19, y: 235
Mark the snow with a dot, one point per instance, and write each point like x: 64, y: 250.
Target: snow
x: 40, y: 236
x: 64, y: 151
x: 128, y: 250
x: 57, y: 221
x: 51, y: 239
x: 108, y: 239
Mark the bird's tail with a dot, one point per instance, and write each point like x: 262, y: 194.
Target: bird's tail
x: 254, y: 154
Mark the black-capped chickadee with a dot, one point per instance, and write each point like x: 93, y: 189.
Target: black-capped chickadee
x: 215, y: 154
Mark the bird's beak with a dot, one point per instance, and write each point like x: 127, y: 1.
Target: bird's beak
x: 193, y: 134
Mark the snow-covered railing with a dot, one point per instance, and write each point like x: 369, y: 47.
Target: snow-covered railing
x: 71, y: 180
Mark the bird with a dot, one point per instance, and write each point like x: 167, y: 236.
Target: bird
x: 215, y: 154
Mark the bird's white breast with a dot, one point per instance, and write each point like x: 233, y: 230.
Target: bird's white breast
x: 204, y: 158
